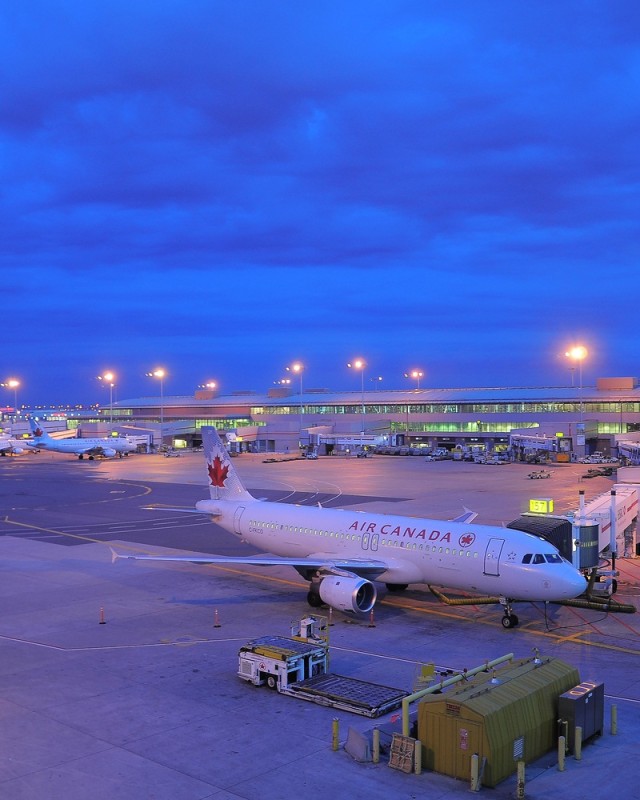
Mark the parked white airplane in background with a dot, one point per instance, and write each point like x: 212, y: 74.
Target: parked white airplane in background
x: 11, y: 446
x: 107, y: 447
x: 341, y: 552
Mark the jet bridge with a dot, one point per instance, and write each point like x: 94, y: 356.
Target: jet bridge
x: 592, y: 537
x: 616, y: 512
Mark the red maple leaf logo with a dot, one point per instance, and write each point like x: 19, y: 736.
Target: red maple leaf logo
x: 38, y: 432
x: 467, y: 539
x: 217, y: 472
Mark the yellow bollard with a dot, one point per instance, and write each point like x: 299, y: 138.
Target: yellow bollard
x: 577, y: 744
x: 335, y: 740
x: 561, y: 752
x: 614, y: 720
x: 520, y: 784
x: 475, y: 772
x: 417, y: 756
x: 376, y: 746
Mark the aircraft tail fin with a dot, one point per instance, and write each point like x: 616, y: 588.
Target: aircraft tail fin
x: 37, y: 430
x: 224, y: 483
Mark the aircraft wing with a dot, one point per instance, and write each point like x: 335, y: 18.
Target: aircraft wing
x: 183, y: 510
x: 467, y: 516
x: 363, y: 567
x: 94, y: 450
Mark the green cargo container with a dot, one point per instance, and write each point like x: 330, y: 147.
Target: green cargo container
x: 504, y: 716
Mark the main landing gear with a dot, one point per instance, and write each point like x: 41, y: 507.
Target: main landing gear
x: 314, y: 599
x: 509, y: 620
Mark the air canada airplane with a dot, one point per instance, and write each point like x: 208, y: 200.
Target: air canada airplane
x: 11, y: 446
x: 341, y: 552
x: 107, y: 447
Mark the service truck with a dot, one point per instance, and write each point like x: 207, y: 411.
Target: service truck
x: 300, y: 668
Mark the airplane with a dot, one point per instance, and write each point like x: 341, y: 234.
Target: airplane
x: 107, y: 447
x: 11, y: 446
x: 342, y: 552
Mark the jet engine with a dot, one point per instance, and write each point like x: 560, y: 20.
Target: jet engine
x: 108, y: 452
x: 17, y: 450
x: 353, y: 594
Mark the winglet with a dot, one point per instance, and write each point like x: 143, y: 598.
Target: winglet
x: 114, y: 556
x: 468, y: 516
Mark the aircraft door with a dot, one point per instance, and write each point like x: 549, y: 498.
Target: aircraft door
x: 492, y: 556
x: 237, y: 517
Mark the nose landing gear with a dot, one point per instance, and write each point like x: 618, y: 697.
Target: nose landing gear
x: 509, y: 620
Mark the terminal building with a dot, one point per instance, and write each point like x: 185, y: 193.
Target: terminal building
x: 559, y: 423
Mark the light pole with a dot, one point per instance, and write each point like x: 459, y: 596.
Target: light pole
x: 579, y: 353
x: 298, y: 368
x: 12, y: 383
x: 415, y: 374
x: 109, y: 377
x: 160, y: 373
x: 360, y: 363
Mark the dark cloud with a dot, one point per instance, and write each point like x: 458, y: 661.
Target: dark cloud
x: 224, y: 187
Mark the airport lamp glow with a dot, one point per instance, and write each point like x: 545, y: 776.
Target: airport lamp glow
x: 13, y: 383
x: 360, y: 363
x: 298, y: 368
x: 579, y: 353
x: 109, y: 378
x: 160, y: 374
x: 416, y: 374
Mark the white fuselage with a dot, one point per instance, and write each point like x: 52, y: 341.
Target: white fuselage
x: 478, y: 558
x: 77, y: 446
x: 8, y: 444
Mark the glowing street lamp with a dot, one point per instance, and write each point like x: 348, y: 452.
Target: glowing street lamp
x: 360, y: 363
x: 578, y: 353
x: 13, y: 383
x: 415, y: 374
x: 160, y: 374
x: 109, y: 378
x: 211, y: 385
x: 298, y: 369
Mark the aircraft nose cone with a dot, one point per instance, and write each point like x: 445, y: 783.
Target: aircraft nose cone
x: 576, y: 584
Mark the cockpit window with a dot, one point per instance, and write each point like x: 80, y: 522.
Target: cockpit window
x: 537, y: 558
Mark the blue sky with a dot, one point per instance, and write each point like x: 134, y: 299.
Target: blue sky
x: 222, y: 188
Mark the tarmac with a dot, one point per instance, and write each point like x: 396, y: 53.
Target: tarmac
x: 118, y: 680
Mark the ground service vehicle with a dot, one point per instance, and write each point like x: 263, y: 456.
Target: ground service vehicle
x: 299, y: 668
